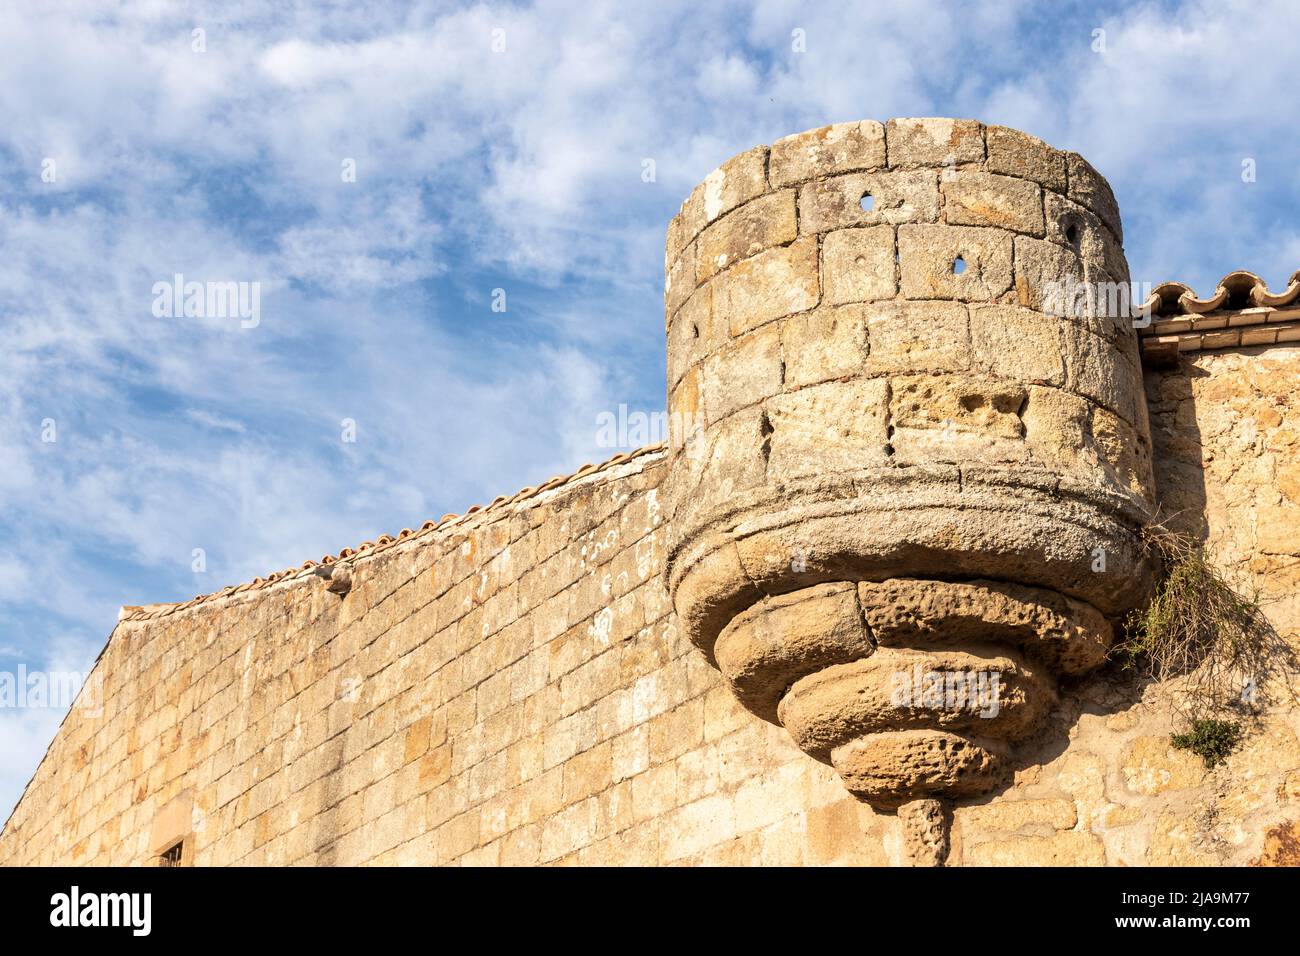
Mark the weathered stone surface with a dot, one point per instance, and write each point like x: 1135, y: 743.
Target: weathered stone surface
x: 933, y: 142
x: 1070, y: 433
x: 744, y: 372
x: 858, y: 265
x: 772, y: 284
x: 925, y: 826
x: 1093, y: 372
x: 1179, y: 839
x: 1016, y: 343
x: 692, y: 334
x: 1152, y: 765
x: 839, y: 426
x: 1281, y: 846
x: 676, y: 240
x: 736, y: 181
x: 1069, y: 636
x: 1071, y: 225
x: 838, y: 203
x: 1013, y: 816
x: 930, y: 256
x: 1089, y: 187
x: 825, y: 344
x: 1124, y: 455
x: 1279, y: 529
x: 827, y: 151
x: 782, y: 639
x: 956, y: 418
x: 1066, y: 848
x: 1045, y: 273
x: 686, y: 406
x: 984, y: 695
x: 733, y: 460
x: 680, y: 281
x: 761, y: 224
x: 905, y: 336
x: 1018, y: 154
x: 900, y: 766
x: 973, y: 198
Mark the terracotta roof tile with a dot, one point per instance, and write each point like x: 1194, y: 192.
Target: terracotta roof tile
x: 1236, y: 291
x: 1241, y: 313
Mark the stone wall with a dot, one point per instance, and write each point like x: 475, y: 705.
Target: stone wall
x: 513, y: 690
x: 1105, y: 786
x: 515, y: 686
x: 1226, y: 427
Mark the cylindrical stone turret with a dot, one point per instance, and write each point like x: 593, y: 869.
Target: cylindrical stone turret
x: 894, y: 455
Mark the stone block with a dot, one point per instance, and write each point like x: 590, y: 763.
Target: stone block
x: 956, y: 418
x: 736, y: 181
x: 770, y: 285
x: 826, y: 152
x: 679, y: 282
x: 917, y: 337
x: 825, y: 344
x: 743, y: 373
x: 841, y: 202
x: 1065, y: 848
x: 974, y: 198
x: 954, y: 262
x: 1015, y: 343
x: 933, y: 142
x: 760, y: 224
x: 693, y: 334
x: 858, y: 265
x: 1089, y: 187
x: 839, y: 426
x: 1014, y: 153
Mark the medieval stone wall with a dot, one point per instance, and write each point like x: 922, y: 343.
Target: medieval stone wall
x: 513, y: 691
x: 515, y: 686
x: 516, y: 691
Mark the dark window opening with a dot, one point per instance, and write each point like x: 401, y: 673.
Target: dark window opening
x: 172, y: 855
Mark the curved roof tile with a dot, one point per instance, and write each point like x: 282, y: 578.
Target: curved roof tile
x: 1236, y: 290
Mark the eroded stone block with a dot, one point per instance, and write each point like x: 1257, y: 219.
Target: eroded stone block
x: 827, y: 151
x: 858, y: 265
x: 954, y: 262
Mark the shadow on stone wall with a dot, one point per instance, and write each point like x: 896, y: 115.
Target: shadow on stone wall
x: 1180, y: 485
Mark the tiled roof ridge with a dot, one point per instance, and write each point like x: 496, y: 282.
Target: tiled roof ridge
x: 1242, y: 313
x: 384, y: 541
x: 1236, y: 290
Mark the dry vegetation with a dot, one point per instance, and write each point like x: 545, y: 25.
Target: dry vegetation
x: 1229, y: 660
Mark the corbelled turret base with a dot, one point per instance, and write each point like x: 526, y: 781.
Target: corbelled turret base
x: 910, y: 688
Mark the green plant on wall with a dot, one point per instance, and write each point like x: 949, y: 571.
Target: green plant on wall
x: 1218, y: 641
x: 1211, y: 740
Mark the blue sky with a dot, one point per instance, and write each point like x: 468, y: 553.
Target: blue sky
x: 518, y: 169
